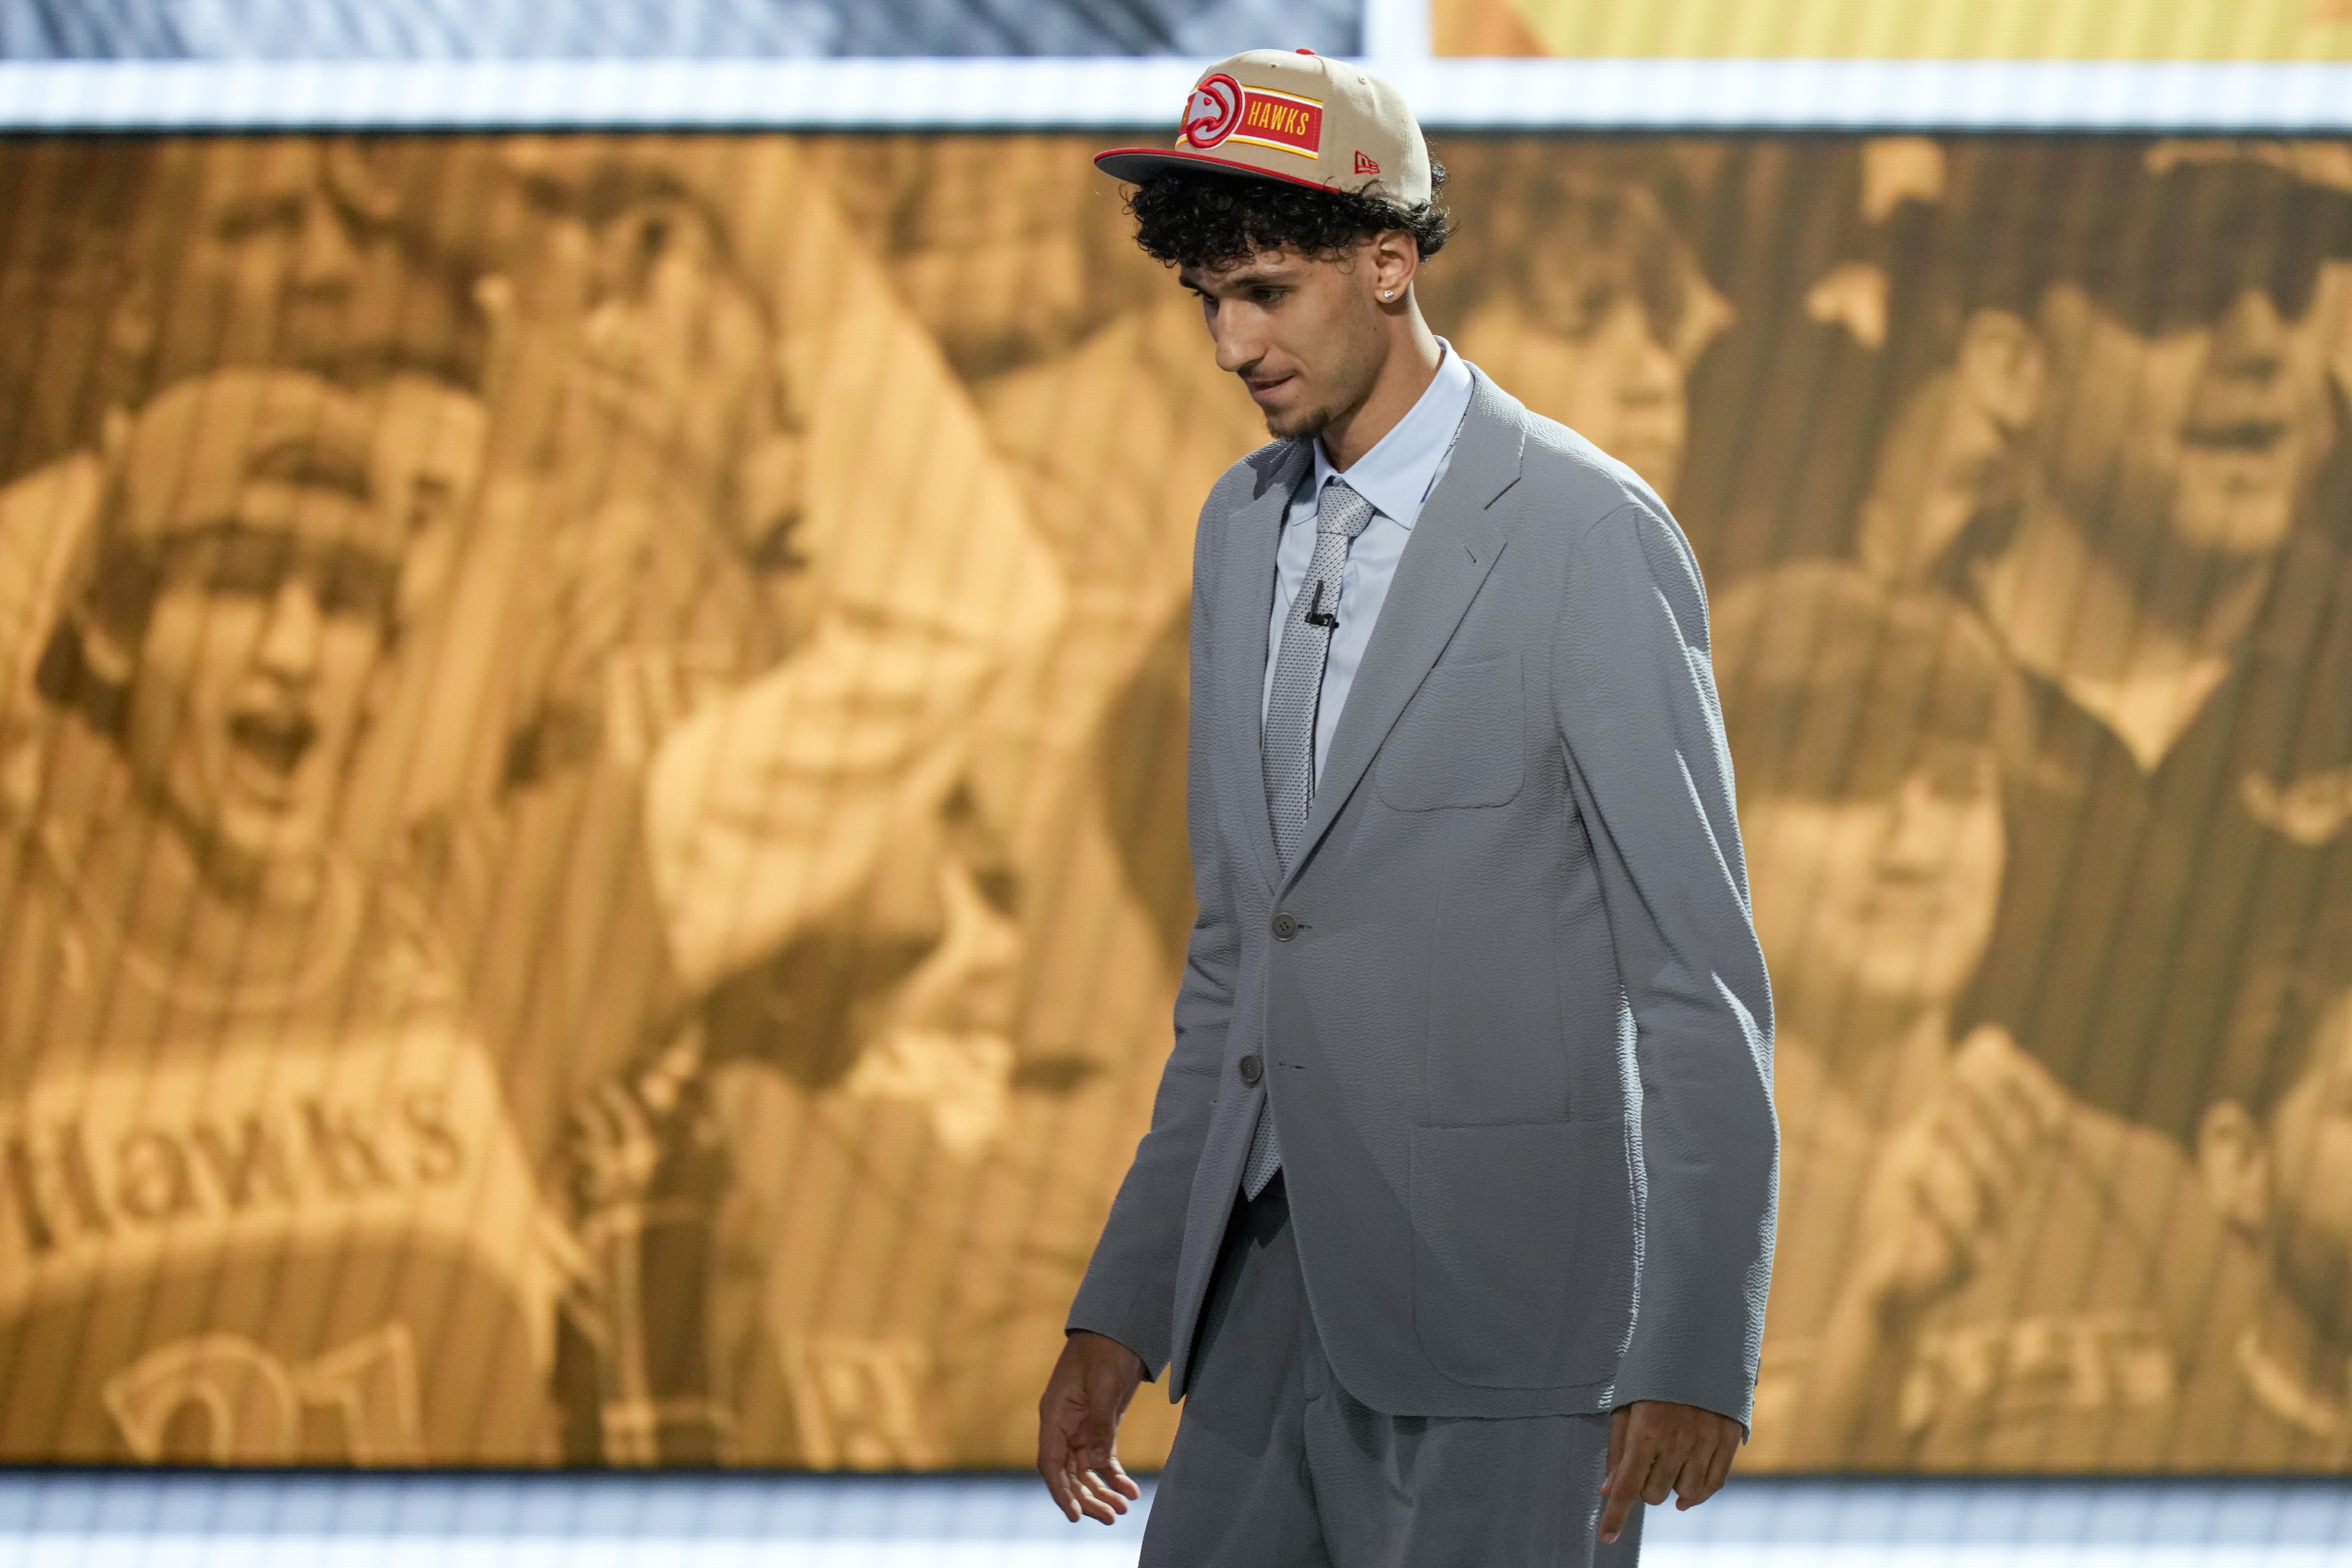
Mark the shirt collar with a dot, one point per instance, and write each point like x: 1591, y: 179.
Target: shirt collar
x: 1397, y: 475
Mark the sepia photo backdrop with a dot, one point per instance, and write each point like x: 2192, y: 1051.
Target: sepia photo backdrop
x: 591, y: 748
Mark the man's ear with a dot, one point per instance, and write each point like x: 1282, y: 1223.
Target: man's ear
x: 114, y: 430
x: 1395, y: 262
x: 132, y: 325
x: 2234, y: 1164
x: 1706, y: 315
x: 2002, y: 367
x: 102, y: 652
x: 383, y: 689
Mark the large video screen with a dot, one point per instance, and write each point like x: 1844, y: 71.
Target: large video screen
x: 592, y: 745
x: 2192, y: 30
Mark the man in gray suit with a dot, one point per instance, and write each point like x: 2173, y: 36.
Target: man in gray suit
x: 1454, y: 1220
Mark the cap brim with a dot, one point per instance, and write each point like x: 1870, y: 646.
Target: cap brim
x: 1136, y: 164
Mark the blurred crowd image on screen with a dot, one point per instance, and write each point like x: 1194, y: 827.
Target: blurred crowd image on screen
x: 592, y: 771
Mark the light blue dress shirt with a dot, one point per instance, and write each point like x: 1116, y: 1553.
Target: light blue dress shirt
x: 1396, y: 476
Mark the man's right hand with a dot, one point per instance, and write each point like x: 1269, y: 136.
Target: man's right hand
x: 1077, y: 1426
x: 1937, y: 1199
x: 1944, y: 1186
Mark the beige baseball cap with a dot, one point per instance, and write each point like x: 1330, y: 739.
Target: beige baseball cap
x: 1295, y: 117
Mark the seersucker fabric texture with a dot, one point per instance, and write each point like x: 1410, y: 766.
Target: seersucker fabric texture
x: 1341, y: 515
x: 1505, y: 999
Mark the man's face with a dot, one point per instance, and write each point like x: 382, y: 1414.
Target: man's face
x: 1886, y: 894
x: 1599, y: 366
x: 2311, y: 1153
x: 250, y: 685
x: 293, y: 255
x: 2208, y: 428
x: 675, y: 350
x: 1941, y: 464
x: 430, y: 448
x: 994, y: 252
x: 1305, y: 336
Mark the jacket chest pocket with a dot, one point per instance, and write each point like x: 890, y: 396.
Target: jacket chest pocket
x: 1459, y: 742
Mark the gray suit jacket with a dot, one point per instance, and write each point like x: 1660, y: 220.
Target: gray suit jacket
x: 1508, y: 1005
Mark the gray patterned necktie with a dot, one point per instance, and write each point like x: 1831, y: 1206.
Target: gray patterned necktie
x: 1291, y: 711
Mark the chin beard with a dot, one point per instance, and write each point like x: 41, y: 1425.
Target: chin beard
x: 1303, y: 426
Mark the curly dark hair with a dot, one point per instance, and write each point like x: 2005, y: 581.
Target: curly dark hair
x: 1197, y: 218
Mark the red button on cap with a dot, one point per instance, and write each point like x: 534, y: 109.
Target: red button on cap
x: 1307, y: 51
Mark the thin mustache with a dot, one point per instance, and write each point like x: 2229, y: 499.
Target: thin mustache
x: 272, y: 724
x: 2238, y: 434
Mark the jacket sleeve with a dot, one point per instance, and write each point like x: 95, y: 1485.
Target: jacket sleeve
x: 1129, y: 1290
x: 1635, y: 699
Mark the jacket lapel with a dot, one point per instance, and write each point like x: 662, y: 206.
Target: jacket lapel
x: 1246, y: 607
x: 1454, y: 545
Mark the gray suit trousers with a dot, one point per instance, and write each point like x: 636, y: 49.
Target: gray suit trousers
x: 1277, y: 1466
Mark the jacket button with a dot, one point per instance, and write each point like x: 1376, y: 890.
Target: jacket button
x: 1250, y: 1069
x: 1286, y: 925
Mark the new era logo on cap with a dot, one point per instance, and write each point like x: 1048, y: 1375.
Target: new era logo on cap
x: 1269, y: 113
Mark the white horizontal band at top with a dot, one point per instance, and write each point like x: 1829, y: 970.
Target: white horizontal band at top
x: 1106, y: 93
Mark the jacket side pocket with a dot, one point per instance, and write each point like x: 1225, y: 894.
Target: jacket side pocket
x: 1523, y: 1238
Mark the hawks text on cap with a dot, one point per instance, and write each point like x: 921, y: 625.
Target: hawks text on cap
x: 1295, y: 117
x: 1223, y: 109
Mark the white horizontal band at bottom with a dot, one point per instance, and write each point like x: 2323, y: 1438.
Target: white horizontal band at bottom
x: 1078, y: 1552
x: 128, y: 1519
x: 1108, y: 93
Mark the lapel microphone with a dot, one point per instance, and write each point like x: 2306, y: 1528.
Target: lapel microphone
x: 1317, y: 616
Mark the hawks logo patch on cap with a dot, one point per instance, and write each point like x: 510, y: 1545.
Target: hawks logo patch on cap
x: 1212, y: 111
x: 1223, y: 109
x: 1269, y: 113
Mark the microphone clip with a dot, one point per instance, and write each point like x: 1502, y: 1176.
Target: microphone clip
x: 1317, y: 616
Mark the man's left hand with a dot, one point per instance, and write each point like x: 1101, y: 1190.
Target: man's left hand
x: 1657, y: 1447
